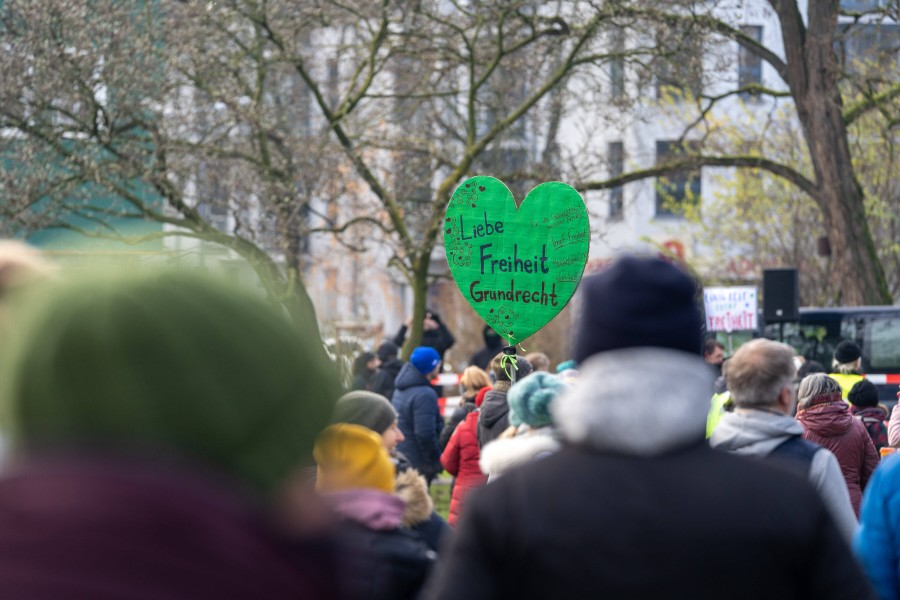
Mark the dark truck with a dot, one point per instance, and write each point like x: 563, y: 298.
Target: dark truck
x: 876, y: 329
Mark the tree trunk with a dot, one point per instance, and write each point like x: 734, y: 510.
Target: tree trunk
x: 420, y: 297
x: 813, y: 76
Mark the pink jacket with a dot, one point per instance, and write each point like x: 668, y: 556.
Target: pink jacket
x: 894, y: 426
x: 832, y: 426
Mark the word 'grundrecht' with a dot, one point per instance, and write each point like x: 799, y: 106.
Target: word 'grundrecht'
x: 513, y: 295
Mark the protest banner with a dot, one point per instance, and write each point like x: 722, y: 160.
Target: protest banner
x: 730, y: 308
x: 517, y: 267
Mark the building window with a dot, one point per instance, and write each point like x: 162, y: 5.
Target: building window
x: 749, y: 64
x: 680, y: 73
x: 617, y: 67
x: 679, y: 188
x: 868, y: 47
x: 861, y: 5
x: 616, y: 158
x: 332, y: 83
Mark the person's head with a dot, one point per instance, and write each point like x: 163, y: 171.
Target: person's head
x: 847, y: 358
x: 426, y: 360
x: 20, y: 265
x: 713, y: 352
x: 638, y: 302
x: 372, y: 411
x: 350, y: 457
x: 539, y: 361
x: 387, y: 352
x: 479, y: 397
x: 366, y: 362
x: 863, y: 394
x: 808, y: 368
x: 761, y: 375
x: 530, y: 399
x: 818, y: 388
x: 432, y: 321
x: 502, y: 369
x: 473, y: 379
x: 170, y: 363
x: 492, y: 339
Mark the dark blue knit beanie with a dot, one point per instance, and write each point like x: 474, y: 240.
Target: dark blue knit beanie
x: 638, y: 302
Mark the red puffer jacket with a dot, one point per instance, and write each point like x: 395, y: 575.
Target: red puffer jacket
x: 460, y: 459
x: 833, y: 426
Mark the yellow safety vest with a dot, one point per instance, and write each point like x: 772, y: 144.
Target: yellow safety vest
x: 716, y: 410
x: 846, y: 381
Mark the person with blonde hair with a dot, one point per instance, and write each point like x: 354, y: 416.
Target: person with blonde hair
x: 827, y: 421
x: 473, y: 380
x: 459, y: 442
x: 846, y: 366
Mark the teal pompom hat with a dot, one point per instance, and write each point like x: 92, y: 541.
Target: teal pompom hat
x: 170, y: 363
x: 530, y: 399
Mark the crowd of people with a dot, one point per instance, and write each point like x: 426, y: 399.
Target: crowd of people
x: 170, y: 435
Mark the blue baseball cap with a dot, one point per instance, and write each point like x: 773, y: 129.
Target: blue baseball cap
x: 425, y: 359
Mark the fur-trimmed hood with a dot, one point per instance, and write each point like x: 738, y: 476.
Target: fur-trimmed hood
x: 503, y: 454
x: 637, y: 401
x: 413, y: 490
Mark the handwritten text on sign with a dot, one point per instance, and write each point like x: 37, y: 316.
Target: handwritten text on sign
x: 517, y: 267
x: 730, y: 308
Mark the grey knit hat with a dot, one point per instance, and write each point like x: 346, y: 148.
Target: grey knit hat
x: 372, y: 411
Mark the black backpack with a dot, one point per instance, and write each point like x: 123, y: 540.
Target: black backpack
x: 795, y: 453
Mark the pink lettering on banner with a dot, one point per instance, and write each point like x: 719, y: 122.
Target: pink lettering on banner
x: 730, y: 321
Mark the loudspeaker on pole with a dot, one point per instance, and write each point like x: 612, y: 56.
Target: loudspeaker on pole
x: 781, y: 295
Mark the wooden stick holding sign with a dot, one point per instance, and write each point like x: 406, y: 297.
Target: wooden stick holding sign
x: 516, y: 266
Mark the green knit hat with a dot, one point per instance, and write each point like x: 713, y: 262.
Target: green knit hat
x: 169, y: 362
x: 368, y: 409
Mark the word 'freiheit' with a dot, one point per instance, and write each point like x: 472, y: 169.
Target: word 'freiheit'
x: 514, y: 264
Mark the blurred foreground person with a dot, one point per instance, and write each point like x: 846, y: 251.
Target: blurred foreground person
x: 154, y: 423
x: 635, y: 504
x: 381, y: 559
x: 877, y: 544
x: 827, y: 421
x: 374, y: 411
x: 760, y: 377
x: 21, y: 266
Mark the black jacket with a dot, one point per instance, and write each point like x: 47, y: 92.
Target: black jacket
x: 383, y: 565
x: 482, y: 359
x: 696, y: 524
x: 636, y: 505
x: 382, y: 381
x: 440, y: 339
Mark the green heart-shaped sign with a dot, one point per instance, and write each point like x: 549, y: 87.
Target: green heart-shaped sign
x: 517, y: 267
